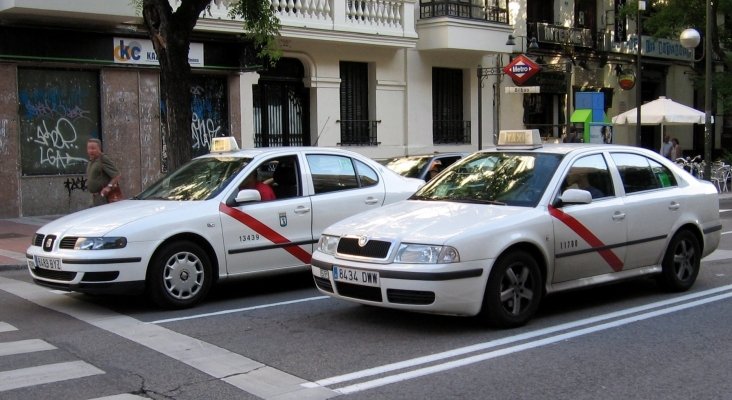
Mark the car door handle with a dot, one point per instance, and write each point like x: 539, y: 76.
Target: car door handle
x: 618, y: 216
x: 302, y: 210
x: 674, y: 206
x: 371, y: 201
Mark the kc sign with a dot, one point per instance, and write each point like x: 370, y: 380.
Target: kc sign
x: 521, y: 69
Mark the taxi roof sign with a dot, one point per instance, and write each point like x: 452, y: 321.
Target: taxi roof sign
x: 524, y: 139
x: 223, y: 144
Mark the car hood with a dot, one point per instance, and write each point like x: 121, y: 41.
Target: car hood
x: 433, y: 222
x: 101, y: 220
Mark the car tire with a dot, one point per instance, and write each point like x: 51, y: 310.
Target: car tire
x: 179, y: 275
x: 681, y: 262
x: 513, y: 291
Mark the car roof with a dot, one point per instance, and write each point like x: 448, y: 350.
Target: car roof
x: 266, y: 151
x: 566, y: 148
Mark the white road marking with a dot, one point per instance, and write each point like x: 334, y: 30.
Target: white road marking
x: 6, y: 327
x: 512, y: 339
x: 24, y: 346
x: 718, y: 255
x: 236, y: 310
x: 24, y: 377
x: 123, y: 396
x: 526, y: 346
x: 244, y: 373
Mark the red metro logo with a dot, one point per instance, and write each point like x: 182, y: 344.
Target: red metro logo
x: 521, y: 69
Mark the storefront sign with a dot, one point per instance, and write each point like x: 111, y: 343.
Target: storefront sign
x: 626, y: 79
x: 141, y: 52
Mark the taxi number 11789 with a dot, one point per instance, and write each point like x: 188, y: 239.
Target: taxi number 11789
x: 367, y: 278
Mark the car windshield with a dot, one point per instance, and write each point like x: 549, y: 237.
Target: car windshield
x: 407, y: 166
x: 200, y: 179
x: 511, y: 178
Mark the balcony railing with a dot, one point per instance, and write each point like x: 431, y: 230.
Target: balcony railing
x: 394, y: 18
x: 450, y: 132
x: 470, y: 9
x: 358, y: 132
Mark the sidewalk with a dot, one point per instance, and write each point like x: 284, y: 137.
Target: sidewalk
x: 16, y: 235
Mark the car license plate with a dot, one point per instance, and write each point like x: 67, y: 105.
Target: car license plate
x: 48, y: 263
x: 367, y: 278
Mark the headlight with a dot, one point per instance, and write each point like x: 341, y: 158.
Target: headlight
x: 328, y: 244
x: 100, y: 243
x: 426, y: 254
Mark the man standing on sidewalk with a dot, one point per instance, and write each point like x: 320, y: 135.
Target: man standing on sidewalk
x: 101, y: 173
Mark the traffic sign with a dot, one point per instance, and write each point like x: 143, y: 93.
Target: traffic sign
x: 521, y: 69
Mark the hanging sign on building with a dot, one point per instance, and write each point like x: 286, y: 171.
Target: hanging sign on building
x: 141, y: 52
x: 521, y: 69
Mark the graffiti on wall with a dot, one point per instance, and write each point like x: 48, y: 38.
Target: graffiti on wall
x: 209, y: 105
x: 58, y: 113
x: 78, y: 183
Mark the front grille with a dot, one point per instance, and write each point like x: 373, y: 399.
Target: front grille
x: 359, y: 291
x: 417, y: 297
x: 100, y: 276
x: 55, y: 275
x: 373, y: 248
x: 323, y: 284
x: 38, y: 240
x: 68, y: 242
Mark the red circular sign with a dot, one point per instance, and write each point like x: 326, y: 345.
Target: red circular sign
x: 626, y: 79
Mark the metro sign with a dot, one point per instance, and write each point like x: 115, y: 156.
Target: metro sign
x: 521, y: 69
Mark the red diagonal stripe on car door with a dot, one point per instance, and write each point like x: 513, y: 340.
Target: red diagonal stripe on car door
x: 267, y: 232
x: 575, y: 225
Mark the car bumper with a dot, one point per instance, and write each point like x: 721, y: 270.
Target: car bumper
x: 451, y: 289
x: 99, y: 271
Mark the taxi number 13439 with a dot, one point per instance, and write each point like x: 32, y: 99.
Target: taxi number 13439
x: 368, y: 278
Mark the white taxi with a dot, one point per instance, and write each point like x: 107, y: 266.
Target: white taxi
x: 201, y: 224
x: 503, y: 227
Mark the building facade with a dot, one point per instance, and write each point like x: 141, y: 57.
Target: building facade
x: 381, y: 77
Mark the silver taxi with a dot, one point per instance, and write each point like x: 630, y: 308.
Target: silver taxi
x: 209, y: 221
x: 503, y: 227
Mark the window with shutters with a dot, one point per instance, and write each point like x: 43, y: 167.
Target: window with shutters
x: 356, y: 127
x: 448, y: 125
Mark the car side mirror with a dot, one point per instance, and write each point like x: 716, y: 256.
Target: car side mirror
x: 575, y: 196
x: 248, y: 195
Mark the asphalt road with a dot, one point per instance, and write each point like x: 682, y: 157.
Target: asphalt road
x: 278, y: 338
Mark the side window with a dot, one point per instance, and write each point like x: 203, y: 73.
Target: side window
x: 590, y: 173
x: 640, y: 173
x: 366, y: 176
x: 331, y: 173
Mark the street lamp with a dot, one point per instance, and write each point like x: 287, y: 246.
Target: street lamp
x: 690, y: 39
x: 639, y: 74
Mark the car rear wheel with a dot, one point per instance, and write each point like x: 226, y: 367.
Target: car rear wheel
x: 179, y: 276
x: 513, y: 292
x: 681, y: 262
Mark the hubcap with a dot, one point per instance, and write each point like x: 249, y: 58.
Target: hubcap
x: 516, y: 292
x: 183, y: 275
x: 684, y: 260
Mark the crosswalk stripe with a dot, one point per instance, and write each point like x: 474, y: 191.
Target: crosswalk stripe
x: 24, y: 377
x: 24, y: 346
x: 123, y: 396
x: 6, y: 327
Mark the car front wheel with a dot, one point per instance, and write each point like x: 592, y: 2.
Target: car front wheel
x: 179, y: 276
x: 681, y: 262
x: 513, y: 292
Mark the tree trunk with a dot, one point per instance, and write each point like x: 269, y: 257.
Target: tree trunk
x: 171, y: 35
